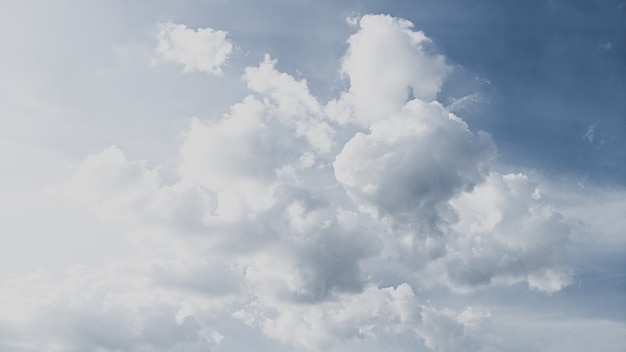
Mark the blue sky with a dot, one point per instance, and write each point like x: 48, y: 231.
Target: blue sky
x: 311, y: 175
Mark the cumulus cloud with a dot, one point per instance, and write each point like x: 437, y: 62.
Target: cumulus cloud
x: 407, y: 168
x: 110, y: 184
x: 202, y: 49
x: 279, y: 204
x: 386, y: 64
x: 291, y: 103
x: 373, y: 312
x: 507, y: 234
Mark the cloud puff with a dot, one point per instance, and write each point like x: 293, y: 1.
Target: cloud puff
x: 378, y: 314
x: 202, y: 50
x: 407, y: 168
x: 506, y: 233
x: 373, y: 312
x: 387, y: 64
x: 291, y: 103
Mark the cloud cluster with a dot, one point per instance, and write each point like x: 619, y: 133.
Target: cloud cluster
x: 279, y: 204
x: 406, y: 170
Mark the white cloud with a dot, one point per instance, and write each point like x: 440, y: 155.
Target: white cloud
x: 285, y: 215
x: 386, y: 63
x: 507, y: 234
x: 377, y: 314
x: 202, y: 49
x: 291, y: 103
x: 368, y: 314
x: 408, y: 168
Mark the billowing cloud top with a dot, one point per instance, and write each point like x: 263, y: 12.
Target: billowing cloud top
x: 316, y: 225
x: 386, y: 64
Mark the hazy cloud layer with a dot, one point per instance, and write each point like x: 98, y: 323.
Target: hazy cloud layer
x: 280, y: 211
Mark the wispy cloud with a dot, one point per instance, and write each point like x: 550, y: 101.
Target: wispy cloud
x: 465, y: 103
x: 590, y: 134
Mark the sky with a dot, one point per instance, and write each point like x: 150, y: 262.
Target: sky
x: 230, y: 175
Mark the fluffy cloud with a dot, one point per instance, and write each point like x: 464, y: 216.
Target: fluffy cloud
x: 202, y: 50
x: 507, y: 234
x: 282, y: 208
x: 386, y: 64
x: 408, y: 167
x: 370, y: 313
